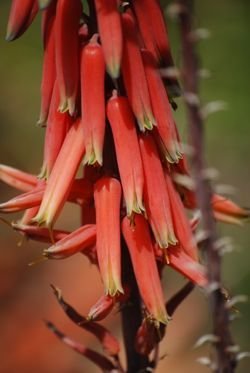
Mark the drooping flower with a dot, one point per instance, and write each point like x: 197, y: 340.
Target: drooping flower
x: 137, y: 237
x: 109, y: 25
x: 127, y: 152
x: 93, y: 100
x: 17, y: 179
x: 134, y: 75
x: 166, y: 127
x: 107, y: 195
x: 155, y: 194
x: 80, y: 239
x: 62, y: 176
x: 49, y: 62
x: 22, y: 14
x: 181, y: 224
x: 57, y: 127
x: 67, y: 22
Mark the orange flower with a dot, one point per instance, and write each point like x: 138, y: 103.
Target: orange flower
x: 107, y: 195
x: 156, y: 195
x: 134, y: 75
x: 49, y: 61
x: 127, y: 152
x: 109, y: 25
x: 22, y: 13
x: 93, y: 101
x: 68, y: 15
x: 181, y: 223
x: 141, y: 251
x: 62, y: 176
x: 166, y: 127
x: 77, y: 241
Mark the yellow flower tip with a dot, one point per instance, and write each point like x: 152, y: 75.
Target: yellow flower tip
x: 113, y: 69
x: 93, y: 158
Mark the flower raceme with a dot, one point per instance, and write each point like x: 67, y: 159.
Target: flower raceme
x: 105, y: 107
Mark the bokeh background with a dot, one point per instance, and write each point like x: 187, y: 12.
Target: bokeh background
x: 25, y: 296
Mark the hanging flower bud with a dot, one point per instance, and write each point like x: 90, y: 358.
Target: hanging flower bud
x: 227, y: 211
x: 127, y: 152
x: 23, y: 201
x: 183, y: 263
x: 181, y: 224
x: 22, y: 13
x: 134, y: 75
x: 56, y: 130
x: 166, y: 127
x: 109, y: 25
x: 152, y: 10
x: 39, y: 234
x: 155, y: 194
x: 101, y: 308
x: 107, y: 195
x: 62, y: 176
x: 17, y: 179
x: 49, y: 62
x: 141, y: 251
x: 68, y: 15
x: 93, y: 100
x: 73, y: 243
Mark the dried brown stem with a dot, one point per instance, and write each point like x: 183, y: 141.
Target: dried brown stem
x: 225, y: 362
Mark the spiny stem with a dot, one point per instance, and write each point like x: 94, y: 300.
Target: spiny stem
x: 225, y: 362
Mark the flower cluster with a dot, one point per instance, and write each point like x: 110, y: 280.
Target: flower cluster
x: 105, y: 105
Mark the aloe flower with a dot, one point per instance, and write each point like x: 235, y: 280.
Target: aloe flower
x: 22, y: 13
x: 108, y: 117
x: 107, y: 195
x: 110, y: 28
x: 67, y: 21
x: 93, y: 102
x: 127, y: 151
x: 144, y: 263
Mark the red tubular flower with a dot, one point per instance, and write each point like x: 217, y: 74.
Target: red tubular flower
x: 134, y: 75
x: 24, y: 201
x: 62, y: 176
x: 127, y: 152
x: 28, y: 215
x: 101, y: 308
x: 49, y: 61
x: 93, y: 101
x: 109, y: 25
x: 155, y: 193
x: 73, y: 243
x: 22, y: 13
x: 56, y: 130
x: 39, y: 234
x: 166, y: 126
x: 107, y: 195
x: 140, y: 247
x: 188, y: 267
x: 227, y: 211
x: 17, y: 179
x: 181, y: 223
x: 68, y: 15
x: 153, y: 10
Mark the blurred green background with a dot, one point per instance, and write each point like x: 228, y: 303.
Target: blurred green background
x: 25, y: 343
